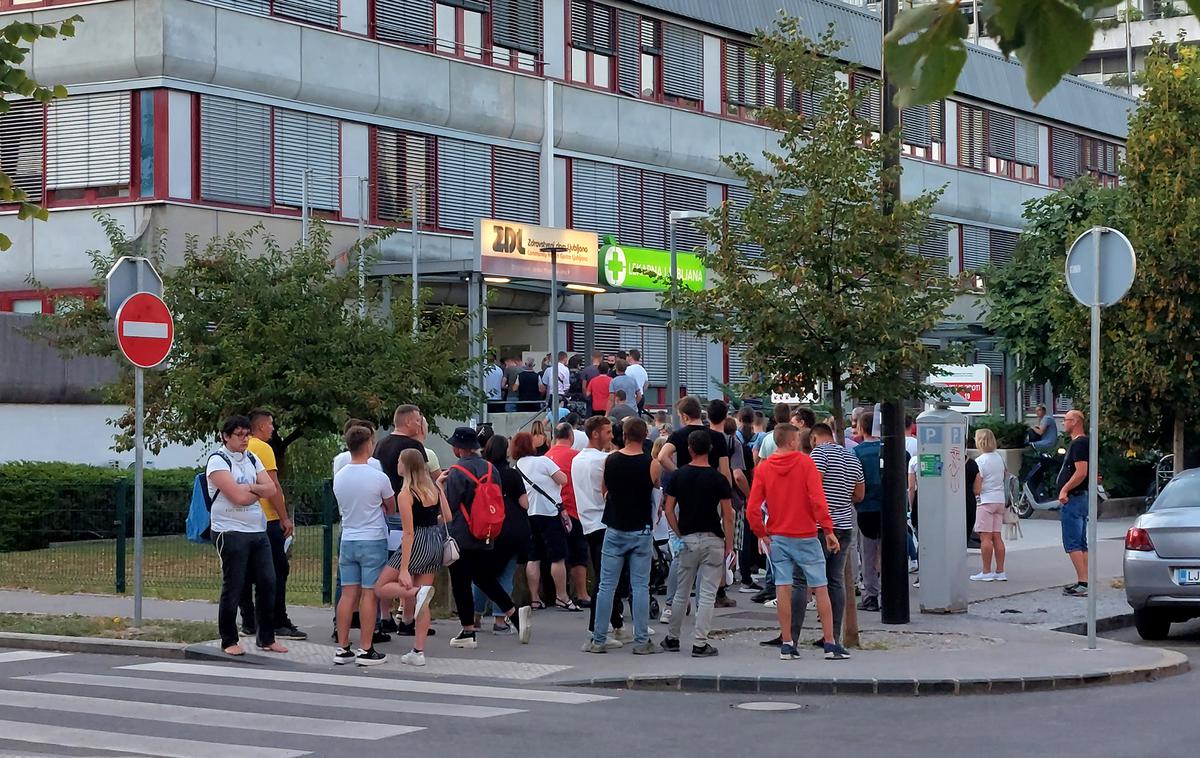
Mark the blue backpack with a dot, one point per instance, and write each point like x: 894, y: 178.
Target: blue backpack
x: 199, y: 519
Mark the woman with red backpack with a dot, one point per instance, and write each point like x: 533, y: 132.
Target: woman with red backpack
x: 473, y: 492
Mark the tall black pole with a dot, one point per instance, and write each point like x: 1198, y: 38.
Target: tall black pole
x: 893, y: 557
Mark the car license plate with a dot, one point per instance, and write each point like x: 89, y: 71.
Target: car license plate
x: 1187, y: 576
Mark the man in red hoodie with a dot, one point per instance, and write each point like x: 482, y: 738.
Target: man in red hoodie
x: 789, y: 484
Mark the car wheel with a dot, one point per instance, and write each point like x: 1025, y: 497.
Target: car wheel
x: 1152, y: 624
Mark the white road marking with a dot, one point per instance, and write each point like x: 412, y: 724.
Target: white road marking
x: 390, y: 684
x: 264, y: 694
x: 185, y: 714
x: 92, y: 739
x: 28, y: 655
x: 152, y: 329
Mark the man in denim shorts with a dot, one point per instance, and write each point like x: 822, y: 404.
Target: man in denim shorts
x: 1072, y: 494
x: 789, y: 483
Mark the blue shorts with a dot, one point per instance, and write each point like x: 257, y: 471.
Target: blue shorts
x: 361, y: 561
x: 1074, y: 518
x: 790, y: 555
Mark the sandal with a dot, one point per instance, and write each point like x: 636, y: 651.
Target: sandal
x: 538, y: 605
x: 567, y: 605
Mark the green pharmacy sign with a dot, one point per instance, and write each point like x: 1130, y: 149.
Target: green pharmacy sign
x: 641, y: 268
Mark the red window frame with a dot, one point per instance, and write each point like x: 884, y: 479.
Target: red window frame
x: 1015, y: 170
x: 48, y: 298
x: 740, y: 111
x: 86, y: 196
x: 589, y: 75
x: 487, y: 53
x: 428, y: 222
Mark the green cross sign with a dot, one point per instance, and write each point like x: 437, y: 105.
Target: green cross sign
x: 641, y: 268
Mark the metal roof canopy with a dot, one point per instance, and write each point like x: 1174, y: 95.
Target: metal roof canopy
x: 987, y: 76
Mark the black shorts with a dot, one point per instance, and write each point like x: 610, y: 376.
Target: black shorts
x: 548, y: 541
x: 577, y: 546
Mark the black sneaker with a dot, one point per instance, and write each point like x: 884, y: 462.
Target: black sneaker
x: 775, y: 641
x: 819, y: 643
x: 388, y: 625
x: 703, y: 651
x: 464, y: 639
x: 670, y: 644
x: 290, y: 632
x: 343, y: 655
x: 370, y: 657
x: 1076, y: 590
x: 764, y: 596
x: 379, y: 638
x: 869, y: 604
x: 410, y: 630
x: 835, y: 652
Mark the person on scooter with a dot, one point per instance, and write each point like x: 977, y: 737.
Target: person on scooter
x: 1044, y: 434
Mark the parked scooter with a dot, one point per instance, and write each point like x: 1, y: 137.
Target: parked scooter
x: 1038, y: 491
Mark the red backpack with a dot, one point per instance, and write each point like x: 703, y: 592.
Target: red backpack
x: 486, y: 514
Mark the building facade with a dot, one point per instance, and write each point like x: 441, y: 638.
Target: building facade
x: 208, y: 117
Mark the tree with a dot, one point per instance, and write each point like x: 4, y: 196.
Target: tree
x: 1154, y: 384
x: 1027, y: 300
x: 925, y: 52
x: 15, y: 81
x: 260, y: 326
x: 838, y: 294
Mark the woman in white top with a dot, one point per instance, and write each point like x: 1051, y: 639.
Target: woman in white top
x: 989, y: 514
x: 543, y: 484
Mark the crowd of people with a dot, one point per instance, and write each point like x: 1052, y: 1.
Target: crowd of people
x: 697, y: 509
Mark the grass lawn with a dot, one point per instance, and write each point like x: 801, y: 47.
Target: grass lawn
x: 152, y: 630
x: 174, y: 569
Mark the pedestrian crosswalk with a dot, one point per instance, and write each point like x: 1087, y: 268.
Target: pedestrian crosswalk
x: 194, y: 710
x: 14, y: 656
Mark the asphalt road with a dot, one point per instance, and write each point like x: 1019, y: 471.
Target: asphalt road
x: 100, y: 705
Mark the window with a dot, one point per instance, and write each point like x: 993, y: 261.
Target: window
x: 591, y: 43
x: 633, y: 203
x: 1100, y: 159
x: 738, y: 198
x: 971, y: 139
x: 923, y: 131
x: 321, y: 12
x: 22, y: 146
x: 982, y: 247
x: 408, y: 22
x: 517, y: 195
x: 750, y: 84
x: 807, y: 102
x: 683, y: 66
x: 235, y: 152
x: 303, y: 141
x: 869, y: 107
x: 402, y: 159
x: 934, y: 245
x: 639, y: 54
x: 998, y: 143
x: 517, y: 33
x: 88, y: 151
x: 459, y: 27
x: 1065, y: 162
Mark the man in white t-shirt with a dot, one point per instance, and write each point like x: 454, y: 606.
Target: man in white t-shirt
x: 341, y: 459
x: 637, y: 372
x: 587, y: 476
x: 236, y: 483
x: 564, y: 377
x: 363, y: 494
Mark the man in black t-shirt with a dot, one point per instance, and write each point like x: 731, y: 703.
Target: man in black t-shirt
x: 1073, y: 495
x: 675, y: 453
x: 705, y: 524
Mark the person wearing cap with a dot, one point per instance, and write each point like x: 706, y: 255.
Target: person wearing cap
x: 476, y: 565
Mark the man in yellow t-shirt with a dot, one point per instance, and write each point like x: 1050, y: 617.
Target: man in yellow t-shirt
x: 279, y: 529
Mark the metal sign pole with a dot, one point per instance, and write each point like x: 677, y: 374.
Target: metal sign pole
x: 1093, y: 440
x: 553, y: 339
x: 673, y: 334
x: 138, y: 465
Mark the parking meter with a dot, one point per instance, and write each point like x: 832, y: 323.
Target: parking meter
x: 941, y: 493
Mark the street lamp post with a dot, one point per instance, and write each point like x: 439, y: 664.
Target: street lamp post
x: 554, y: 250
x: 674, y: 217
x: 416, y: 289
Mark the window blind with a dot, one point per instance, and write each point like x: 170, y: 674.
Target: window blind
x: 594, y: 196
x: 304, y: 141
x: 402, y: 158
x: 682, y: 62
x: 517, y: 183
x: 235, y: 151
x: 323, y: 12
x: 1064, y: 154
x: 592, y: 26
x: 464, y: 187
x: 88, y: 141
x: 22, y: 146
x: 1002, y: 246
x: 629, y: 53
x: 976, y: 247
x: 406, y: 21
x: 970, y: 137
x: 517, y: 24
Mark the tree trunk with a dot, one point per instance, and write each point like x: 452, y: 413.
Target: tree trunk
x: 838, y: 408
x: 1177, y: 442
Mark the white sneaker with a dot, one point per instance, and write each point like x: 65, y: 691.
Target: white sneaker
x: 772, y: 603
x: 1000, y: 577
x: 623, y: 635
x: 413, y: 658
x: 982, y: 577
x: 424, y: 595
x: 524, y: 624
x: 665, y: 617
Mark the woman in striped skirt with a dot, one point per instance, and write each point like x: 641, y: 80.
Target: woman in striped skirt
x: 425, y: 512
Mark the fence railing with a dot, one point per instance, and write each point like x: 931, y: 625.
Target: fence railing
x: 84, y: 543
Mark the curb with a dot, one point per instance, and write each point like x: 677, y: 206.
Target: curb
x: 1106, y: 624
x: 97, y: 645
x: 1170, y: 664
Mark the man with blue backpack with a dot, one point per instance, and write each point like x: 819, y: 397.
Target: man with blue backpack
x: 234, y: 483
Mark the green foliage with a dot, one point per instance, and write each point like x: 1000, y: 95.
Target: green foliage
x: 260, y: 326
x: 1009, y: 435
x: 925, y: 53
x: 15, y: 81
x: 1028, y: 306
x: 836, y: 295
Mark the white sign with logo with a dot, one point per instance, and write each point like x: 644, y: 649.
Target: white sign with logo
x: 516, y: 250
x: 973, y: 384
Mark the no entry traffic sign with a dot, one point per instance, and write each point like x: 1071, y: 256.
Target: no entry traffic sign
x: 145, y: 331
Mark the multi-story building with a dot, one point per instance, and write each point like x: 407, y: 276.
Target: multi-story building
x: 1124, y: 36
x: 205, y: 117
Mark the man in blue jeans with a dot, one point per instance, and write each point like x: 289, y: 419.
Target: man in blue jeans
x: 1072, y: 494
x: 630, y: 475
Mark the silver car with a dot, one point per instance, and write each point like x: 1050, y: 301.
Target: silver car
x: 1162, y: 559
